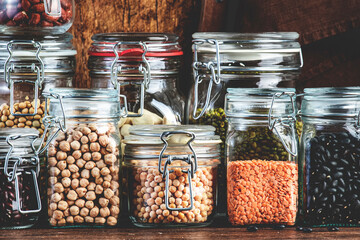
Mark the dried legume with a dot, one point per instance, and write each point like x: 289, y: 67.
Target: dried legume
x: 262, y: 192
x: 333, y: 179
x: 83, y: 185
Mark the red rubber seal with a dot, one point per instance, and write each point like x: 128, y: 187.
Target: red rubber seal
x: 137, y: 52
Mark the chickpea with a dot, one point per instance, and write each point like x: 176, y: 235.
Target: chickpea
x: 77, y: 154
x: 72, y: 195
x: 90, y: 165
x: 65, y: 173
x: 110, y: 159
x: 84, y: 140
x: 74, y: 210
x: 52, y: 180
x: 70, y: 219
x: 62, y: 205
x: 53, y: 206
x: 91, y: 186
x: 95, y: 172
x: 52, y: 161
x: 90, y: 195
x: 70, y: 160
x: 73, y: 168
x: 84, y: 182
x: 104, y: 212
x: 85, y: 130
x: 84, y: 212
x: 55, y: 197
x: 75, y: 145
x: 85, y: 148
x: 61, y: 155
x: 93, y: 137
x: 78, y: 219
x: 115, y: 200
x: 94, y: 147
x: 80, y: 163
x: 54, y: 171
x: 75, y: 183
x: 100, y: 220
x: 100, y: 164
x: 81, y: 191
x: 114, y: 211
x: 64, y: 146
x: 94, y: 212
x: 111, y: 221
x: 89, y: 219
x: 85, y: 173
x: 58, y: 187
x: 99, y: 189
x: 104, y: 140
x: 80, y: 203
x: 77, y: 135
x: 105, y: 171
x: 57, y: 215
x: 103, y: 202
x: 89, y: 204
x: 96, y: 156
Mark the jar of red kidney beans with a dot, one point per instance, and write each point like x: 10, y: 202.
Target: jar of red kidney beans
x: 36, y: 17
x: 329, y: 157
x: 20, y: 202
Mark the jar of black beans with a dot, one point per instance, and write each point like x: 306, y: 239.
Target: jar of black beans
x: 19, y: 167
x: 330, y: 158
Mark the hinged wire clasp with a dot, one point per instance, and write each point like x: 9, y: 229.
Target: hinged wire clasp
x: 213, y: 67
x: 286, y: 121
x: 20, y: 162
x: 10, y: 68
x: 53, y: 8
x: 50, y: 121
x: 144, y: 69
x: 191, y: 159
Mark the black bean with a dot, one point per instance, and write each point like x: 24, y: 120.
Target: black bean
x: 333, y: 229
x: 333, y: 181
x: 298, y: 228
x: 252, y: 228
x: 307, y: 230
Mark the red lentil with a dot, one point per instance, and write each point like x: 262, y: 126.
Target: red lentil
x: 262, y: 192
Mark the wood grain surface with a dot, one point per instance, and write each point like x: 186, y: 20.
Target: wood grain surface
x: 176, y: 233
x: 100, y: 16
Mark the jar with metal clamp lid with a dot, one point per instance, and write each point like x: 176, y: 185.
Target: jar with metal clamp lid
x: 36, y: 17
x: 172, y: 174
x: 238, y: 60
x: 30, y: 67
x: 145, y: 68
x: 83, y: 157
x: 329, y: 157
x: 261, y: 145
x: 20, y: 202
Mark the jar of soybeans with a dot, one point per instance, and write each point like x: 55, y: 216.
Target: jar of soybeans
x: 329, y: 157
x: 27, y: 69
x: 83, y: 157
x: 172, y: 174
x: 20, y: 202
x: 238, y: 60
x: 261, y: 145
x: 145, y: 68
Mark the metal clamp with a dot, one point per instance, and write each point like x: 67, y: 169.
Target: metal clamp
x: 10, y: 68
x: 358, y: 120
x: 213, y: 67
x: 50, y: 121
x: 191, y: 159
x: 287, y: 121
x: 143, y: 69
x: 37, y: 192
x: 33, y: 161
x: 13, y: 175
x: 53, y: 8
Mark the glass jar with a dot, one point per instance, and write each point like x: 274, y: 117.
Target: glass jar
x: 329, y: 157
x: 19, y: 169
x: 28, y: 68
x: 261, y: 145
x: 83, y: 157
x: 238, y: 60
x: 36, y: 17
x: 145, y: 68
x: 159, y: 163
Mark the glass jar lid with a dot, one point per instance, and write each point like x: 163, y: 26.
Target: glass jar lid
x: 258, y: 103
x: 20, y: 138
x: 234, y: 52
x: 155, y: 142
x: 150, y: 134
x: 102, y: 104
x: 331, y: 103
x: 157, y: 44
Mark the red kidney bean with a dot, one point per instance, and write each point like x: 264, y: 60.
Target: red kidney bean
x: 32, y: 13
x: 8, y: 216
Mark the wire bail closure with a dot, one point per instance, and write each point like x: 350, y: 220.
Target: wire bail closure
x: 286, y: 121
x: 10, y: 68
x: 191, y: 159
x: 144, y: 69
x: 50, y: 121
x: 213, y: 67
x: 14, y: 174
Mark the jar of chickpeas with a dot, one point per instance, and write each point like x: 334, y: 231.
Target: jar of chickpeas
x: 172, y: 174
x: 28, y: 68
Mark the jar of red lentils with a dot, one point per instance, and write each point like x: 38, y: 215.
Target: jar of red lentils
x: 172, y: 174
x: 262, y: 171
